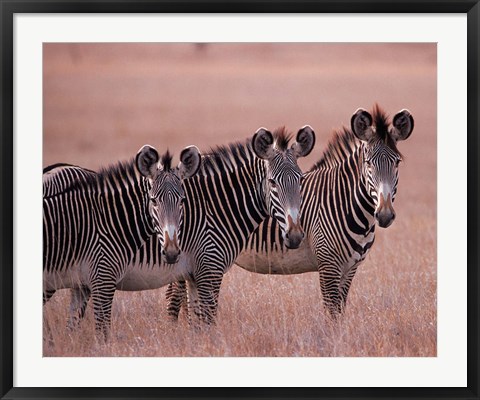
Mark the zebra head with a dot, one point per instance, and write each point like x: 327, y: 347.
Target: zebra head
x: 381, y: 157
x: 283, y: 178
x: 167, y: 194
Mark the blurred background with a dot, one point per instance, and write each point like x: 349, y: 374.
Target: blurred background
x: 102, y: 102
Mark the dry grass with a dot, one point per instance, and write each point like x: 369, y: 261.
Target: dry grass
x: 103, y: 102
x: 391, y: 312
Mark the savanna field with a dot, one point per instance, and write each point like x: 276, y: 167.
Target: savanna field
x: 103, y: 102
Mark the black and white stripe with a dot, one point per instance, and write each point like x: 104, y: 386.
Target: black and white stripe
x: 345, y: 195
x: 95, y: 223
x: 237, y: 187
x: 59, y: 177
x: 349, y: 191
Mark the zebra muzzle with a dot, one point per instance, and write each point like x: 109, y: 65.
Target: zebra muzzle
x: 385, y: 214
x: 294, y: 234
x: 171, y: 249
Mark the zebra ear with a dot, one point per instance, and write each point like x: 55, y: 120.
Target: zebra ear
x: 190, y: 161
x: 361, y: 123
x: 146, y: 161
x: 262, y: 144
x: 304, y: 142
x: 402, y: 125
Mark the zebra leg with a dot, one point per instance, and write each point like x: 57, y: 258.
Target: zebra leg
x: 345, y: 283
x: 193, y: 303
x: 176, y: 298
x: 47, y: 295
x: 78, y: 305
x: 329, y: 286
x: 344, y: 288
x: 207, y: 290
x: 102, y: 298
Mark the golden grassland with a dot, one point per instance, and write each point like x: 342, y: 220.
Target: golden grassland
x: 103, y: 102
x: 391, y: 312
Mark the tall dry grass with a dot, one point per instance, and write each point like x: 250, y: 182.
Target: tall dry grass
x: 102, y: 102
x: 391, y: 312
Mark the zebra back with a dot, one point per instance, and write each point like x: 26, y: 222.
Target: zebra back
x: 109, y: 208
x: 60, y: 177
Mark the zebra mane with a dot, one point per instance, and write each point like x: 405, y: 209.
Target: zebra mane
x: 118, y: 170
x: 238, y: 153
x: 226, y: 157
x: 282, y: 137
x: 113, y: 173
x: 166, y: 161
x: 380, y: 121
x: 344, y: 142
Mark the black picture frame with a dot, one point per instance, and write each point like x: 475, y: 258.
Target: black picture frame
x: 9, y: 8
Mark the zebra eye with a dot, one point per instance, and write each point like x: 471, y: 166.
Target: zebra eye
x: 273, y: 184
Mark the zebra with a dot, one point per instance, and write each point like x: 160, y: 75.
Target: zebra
x: 93, y: 228
x: 59, y: 177
x: 346, y: 194
x: 237, y: 187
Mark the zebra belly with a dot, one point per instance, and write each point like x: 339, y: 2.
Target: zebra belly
x: 74, y: 276
x: 284, y: 262
x: 146, y: 276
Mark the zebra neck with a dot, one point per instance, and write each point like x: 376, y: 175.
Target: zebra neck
x: 238, y: 174
x: 124, y: 199
x: 363, y: 194
x: 249, y: 190
x: 352, y: 183
x: 261, y: 192
x: 232, y: 198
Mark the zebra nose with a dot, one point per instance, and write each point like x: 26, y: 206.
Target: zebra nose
x: 294, y: 238
x: 171, y: 256
x: 385, y: 214
x: 289, y: 235
x: 385, y: 218
x: 171, y: 249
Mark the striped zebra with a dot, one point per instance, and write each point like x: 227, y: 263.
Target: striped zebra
x: 59, y: 177
x: 346, y: 194
x: 93, y: 229
x: 237, y: 187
